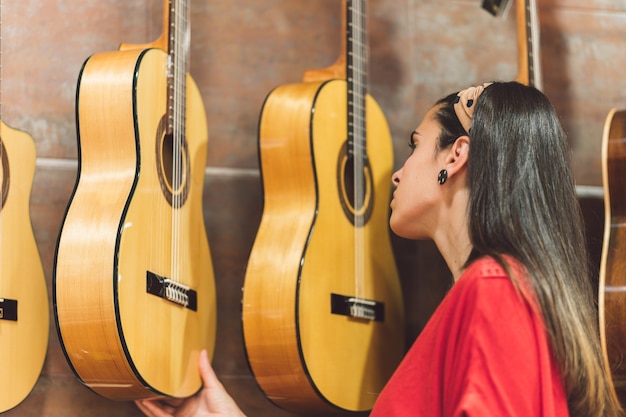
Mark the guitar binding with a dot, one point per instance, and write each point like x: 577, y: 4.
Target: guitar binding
x: 172, y: 291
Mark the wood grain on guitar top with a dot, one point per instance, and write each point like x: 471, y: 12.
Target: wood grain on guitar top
x: 121, y: 341
x: 612, y: 286
x: 304, y: 357
x: 24, y: 306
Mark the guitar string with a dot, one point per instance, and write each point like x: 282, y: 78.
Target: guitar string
x: 2, y: 179
x: 178, y: 137
x: 358, y: 120
x: 175, y: 130
x: 176, y: 144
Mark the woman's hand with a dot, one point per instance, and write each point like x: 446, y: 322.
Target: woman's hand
x: 211, y: 401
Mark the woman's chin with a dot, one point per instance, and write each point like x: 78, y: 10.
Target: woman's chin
x: 399, y: 229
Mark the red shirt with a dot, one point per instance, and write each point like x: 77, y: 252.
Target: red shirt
x: 484, y: 352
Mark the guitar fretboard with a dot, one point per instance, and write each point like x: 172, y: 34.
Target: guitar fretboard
x: 179, y: 39
x: 532, y: 44
x: 356, y: 77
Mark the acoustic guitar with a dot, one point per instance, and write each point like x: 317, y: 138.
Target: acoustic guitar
x: 322, y: 305
x: 24, y: 306
x: 528, y: 51
x: 612, y: 280
x: 134, y: 291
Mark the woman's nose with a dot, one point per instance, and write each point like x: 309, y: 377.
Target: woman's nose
x: 395, y: 178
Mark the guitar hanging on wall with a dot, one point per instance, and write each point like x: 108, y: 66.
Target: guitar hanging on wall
x: 134, y: 290
x: 24, y: 306
x: 323, y: 316
x: 612, y: 279
x: 528, y: 51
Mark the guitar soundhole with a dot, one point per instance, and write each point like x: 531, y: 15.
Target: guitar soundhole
x: 356, y: 188
x: 5, y: 173
x: 172, y: 166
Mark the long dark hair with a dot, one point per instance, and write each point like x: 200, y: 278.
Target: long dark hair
x: 523, y: 204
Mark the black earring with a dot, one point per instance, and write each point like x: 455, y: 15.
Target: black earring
x: 442, y: 177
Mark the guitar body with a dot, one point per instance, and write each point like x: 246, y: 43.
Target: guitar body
x: 24, y: 327
x: 612, y: 286
x: 303, y: 356
x: 122, y: 341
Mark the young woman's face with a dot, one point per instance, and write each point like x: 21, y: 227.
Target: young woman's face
x: 417, y: 192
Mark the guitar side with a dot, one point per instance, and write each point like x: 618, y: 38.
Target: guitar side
x: 612, y: 285
x: 304, y: 252
x: 122, y: 341
x: 23, y: 340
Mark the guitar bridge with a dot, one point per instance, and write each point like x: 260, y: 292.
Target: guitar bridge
x: 172, y: 291
x: 357, y: 308
x: 8, y: 309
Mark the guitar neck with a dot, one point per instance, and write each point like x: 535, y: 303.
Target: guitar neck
x: 179, y: 39
x: 529, y: 65
x: 528, y: 55
x: 175, y: 39
x: 356, y: 70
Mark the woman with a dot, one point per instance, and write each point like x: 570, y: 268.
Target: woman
x: 488, y: 180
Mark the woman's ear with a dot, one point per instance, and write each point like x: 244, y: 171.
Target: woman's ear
x: 458, y: 155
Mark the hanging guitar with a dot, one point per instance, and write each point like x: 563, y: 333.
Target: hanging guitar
x: 24, y: 306
x: 322, y: 304
x: 527, y: 24
x: 612, y: 280
x: 134, y: 290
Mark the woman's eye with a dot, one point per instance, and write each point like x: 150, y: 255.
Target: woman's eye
x: 412, y: 143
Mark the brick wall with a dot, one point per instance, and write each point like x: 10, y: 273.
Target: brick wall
x: 241, y: 49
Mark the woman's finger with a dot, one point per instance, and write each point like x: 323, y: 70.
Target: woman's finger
x: 209, y: 379
x: 153, y: 408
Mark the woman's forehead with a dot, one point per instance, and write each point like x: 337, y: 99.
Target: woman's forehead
x: 429, y: 124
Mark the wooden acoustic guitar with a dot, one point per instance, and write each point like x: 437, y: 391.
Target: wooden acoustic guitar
x: 323, y: 316
x: 612, y: 280
x: 528, y: 51
x: 134, y: 291
x: 24, y: 306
